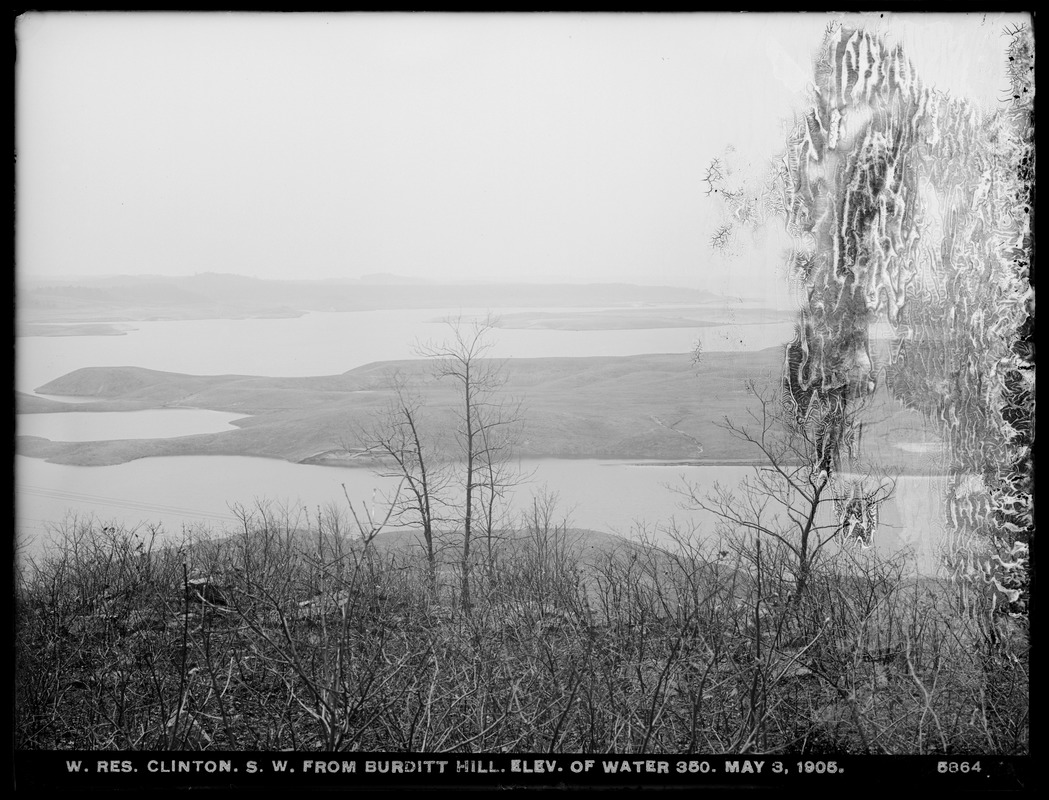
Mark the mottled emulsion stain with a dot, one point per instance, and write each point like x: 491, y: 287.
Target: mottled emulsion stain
x: 908, y: 205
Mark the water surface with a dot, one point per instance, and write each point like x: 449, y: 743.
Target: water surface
x: 97, y: 426
x: 621, y: 497
x: 330, y: 343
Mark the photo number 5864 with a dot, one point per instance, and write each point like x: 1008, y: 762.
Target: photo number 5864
x: 958, y: 766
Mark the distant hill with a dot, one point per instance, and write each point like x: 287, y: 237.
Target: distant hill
x: 389, y: 279
x: 219, y: 295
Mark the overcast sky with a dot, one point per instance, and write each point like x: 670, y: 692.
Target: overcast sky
x: 488, y: 147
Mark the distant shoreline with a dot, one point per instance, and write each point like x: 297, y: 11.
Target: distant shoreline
x: 599, y: 319
x: 92, y: 324
x: 351, y: 462
x: 127, y: 298
x: 69, y: 329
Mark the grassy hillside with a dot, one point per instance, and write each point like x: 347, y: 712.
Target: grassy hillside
x: 643, y: 407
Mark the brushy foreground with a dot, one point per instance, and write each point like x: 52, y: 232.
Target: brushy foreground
x: 278, y: 639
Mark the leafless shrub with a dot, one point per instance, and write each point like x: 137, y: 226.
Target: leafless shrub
x: 280, y: 637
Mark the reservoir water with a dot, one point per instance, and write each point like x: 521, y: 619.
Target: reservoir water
x: 189, y: 491
x: 88, y: 426
x: 330, y: 343
x: 621, y: 497
x: 192, y: 490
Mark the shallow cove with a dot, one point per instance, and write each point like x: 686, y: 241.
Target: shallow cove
x: 97, y: 426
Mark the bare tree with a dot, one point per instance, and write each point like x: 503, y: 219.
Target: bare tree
x: 782, y: 498
x: 485, y: 428
x: 399, y: 439
x: 497, y: 475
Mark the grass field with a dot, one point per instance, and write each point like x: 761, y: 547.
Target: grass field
x: 643, y: 407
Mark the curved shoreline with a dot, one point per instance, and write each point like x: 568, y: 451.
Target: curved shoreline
x: 659, y: 409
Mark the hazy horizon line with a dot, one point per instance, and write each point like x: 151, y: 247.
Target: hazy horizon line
x: 377, y: 278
